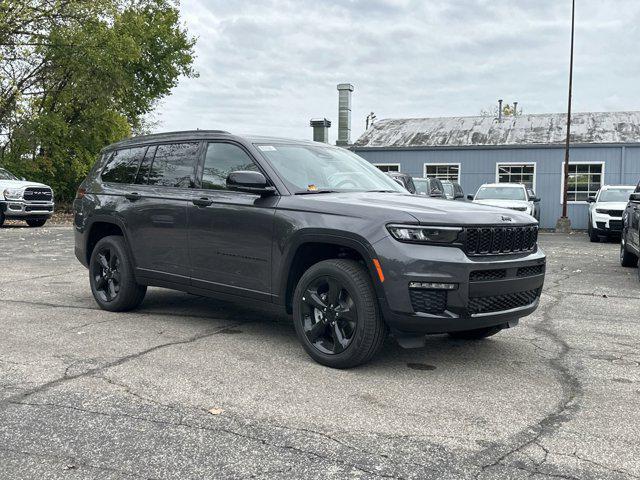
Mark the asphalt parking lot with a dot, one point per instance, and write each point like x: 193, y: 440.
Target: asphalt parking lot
x: 90, y: 394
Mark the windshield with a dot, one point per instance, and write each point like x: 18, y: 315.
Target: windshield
x: 311, y: 168
x: 501, y: 193
x: 615, y: 194
x: 6, y: 175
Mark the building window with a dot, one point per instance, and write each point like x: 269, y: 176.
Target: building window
x: 524, y: 173
x: 388, y: 167
x: 585, y: 179
x: 443, y: 171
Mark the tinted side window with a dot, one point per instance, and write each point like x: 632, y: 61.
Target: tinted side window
x: 143, y: 171
x: 222, y: 159
x: 173, y: 165
x: 123, y: 165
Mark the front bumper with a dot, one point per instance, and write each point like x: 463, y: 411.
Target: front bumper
x: 22, y: 209
x: 490, y: 290
x: 606, y: 224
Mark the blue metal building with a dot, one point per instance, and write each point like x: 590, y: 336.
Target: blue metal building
x: 605, y: 149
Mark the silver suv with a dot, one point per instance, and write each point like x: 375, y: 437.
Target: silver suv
x: 24, y: 200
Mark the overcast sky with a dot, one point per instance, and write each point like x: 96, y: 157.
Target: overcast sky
x: 269, y: 66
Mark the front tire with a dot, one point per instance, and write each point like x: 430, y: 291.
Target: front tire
x: 627, y: 259
x: 36, y: 222
x: 111, y: 277
x: 593, y: 236
x: 477, y: 334
x: 336, y: 314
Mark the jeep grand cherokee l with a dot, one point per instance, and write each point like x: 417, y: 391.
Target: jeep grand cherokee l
x: 311, y: 229
x: 24, y: 200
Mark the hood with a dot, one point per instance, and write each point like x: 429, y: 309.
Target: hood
x: 504, y: 203
x: 401, y: 207
x: 611, y: 205
x: 19, y: 184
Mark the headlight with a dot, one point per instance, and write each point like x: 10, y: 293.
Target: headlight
x: 13, y: 193
x: 415, y: 234
x: 602, y: 210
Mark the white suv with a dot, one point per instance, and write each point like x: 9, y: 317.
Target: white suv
x: 605, y: 211
x: 513, y: 196
x: 23, y: 200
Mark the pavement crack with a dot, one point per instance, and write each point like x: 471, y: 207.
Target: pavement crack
x: 120, y: 361
x: 569, y: 382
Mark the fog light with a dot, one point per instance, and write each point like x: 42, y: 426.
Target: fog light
x: 434, y: 286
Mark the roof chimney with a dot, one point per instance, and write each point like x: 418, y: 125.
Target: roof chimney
x: 344, y: 114
x: 500, y: 110
x: 320, y: 129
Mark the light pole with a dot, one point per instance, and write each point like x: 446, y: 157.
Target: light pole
x: 564, y: 223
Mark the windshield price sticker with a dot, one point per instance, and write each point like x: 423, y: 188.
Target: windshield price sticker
x: 267, y: 148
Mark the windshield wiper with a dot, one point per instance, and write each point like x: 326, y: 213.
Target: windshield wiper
x: 381, y: 191
x: 309, y: 192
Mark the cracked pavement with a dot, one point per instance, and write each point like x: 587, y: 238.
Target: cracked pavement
x: 91, y: 394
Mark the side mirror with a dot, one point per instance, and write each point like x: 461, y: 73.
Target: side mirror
x: 634, y: 197
x: 534, y: 199
x: 458, y: 195
x: 249, y: 182
x: 469, y: 197
x: 591, y: 199
x: 23, y: 179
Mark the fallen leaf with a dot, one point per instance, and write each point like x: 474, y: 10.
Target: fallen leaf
x: 215, y: 411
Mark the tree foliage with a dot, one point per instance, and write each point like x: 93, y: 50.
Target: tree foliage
x: 507, y: 111
x: 76, y: 75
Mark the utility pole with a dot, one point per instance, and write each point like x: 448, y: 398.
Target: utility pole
x: 564, y: 223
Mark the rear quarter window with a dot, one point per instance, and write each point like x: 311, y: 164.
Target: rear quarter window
x: 123, y: 165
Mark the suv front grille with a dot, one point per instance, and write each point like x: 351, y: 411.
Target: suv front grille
x: 38, y: 194
x: 615, y: 225
x: 615, y: 213
x: 499, y: 240
x: 498, y: 303
x: 428, y: 301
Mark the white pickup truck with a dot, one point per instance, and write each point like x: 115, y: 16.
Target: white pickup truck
x: 24, y: 200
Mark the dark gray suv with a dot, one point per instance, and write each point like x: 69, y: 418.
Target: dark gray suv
x: 309, y: 228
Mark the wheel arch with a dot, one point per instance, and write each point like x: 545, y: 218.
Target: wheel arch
x: 103, y: 226
x: 307, y: 249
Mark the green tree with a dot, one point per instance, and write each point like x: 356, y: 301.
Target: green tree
x: 82, y: 75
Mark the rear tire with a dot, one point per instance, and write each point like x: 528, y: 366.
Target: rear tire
x: 1, y: 219
x: 627, y: 259
x: 111, y: 276
x: 477, y: 334
x: 336, y: 314
x: 34, y: 223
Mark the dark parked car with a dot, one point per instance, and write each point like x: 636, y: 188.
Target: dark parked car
x: 630, y: 242
x: 453, y: 190
x: 430, y: 187
x: 308, y: 228
x: 405, y: 180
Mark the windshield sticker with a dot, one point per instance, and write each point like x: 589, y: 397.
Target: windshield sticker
x: 267, y: 148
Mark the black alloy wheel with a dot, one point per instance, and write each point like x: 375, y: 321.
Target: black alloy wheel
x: 106, y: 274
x: 336, y: 314
x: 111, y: 276
x: 329, y: 314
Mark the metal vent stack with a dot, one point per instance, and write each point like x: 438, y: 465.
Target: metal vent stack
x: 344, y: 114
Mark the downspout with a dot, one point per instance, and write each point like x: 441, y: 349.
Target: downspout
x: 623, y: 164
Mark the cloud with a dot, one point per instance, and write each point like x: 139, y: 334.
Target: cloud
x: 267, y: 67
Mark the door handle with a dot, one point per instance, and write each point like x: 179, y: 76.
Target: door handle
x: 132, y: 196
x: 201, y: 202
